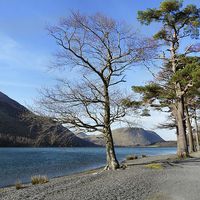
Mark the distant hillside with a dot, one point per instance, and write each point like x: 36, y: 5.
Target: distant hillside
x: 96, y: 139
x: 33, y: 130
x: 128, y: 137
x: 165, y: 144
x: 135, y: 137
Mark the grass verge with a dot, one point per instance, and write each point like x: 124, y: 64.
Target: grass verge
x: 39, y: 179
x: 154, y: 166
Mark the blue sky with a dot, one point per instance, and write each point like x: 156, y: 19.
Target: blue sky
x: 26, y: 49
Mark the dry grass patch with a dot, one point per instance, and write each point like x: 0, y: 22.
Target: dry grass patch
x: 18, y: 185
x: 39, y: 179
x: 154, y: 166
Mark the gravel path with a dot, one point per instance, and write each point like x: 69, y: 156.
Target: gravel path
x: 179, y: 180
x: 182, y: 181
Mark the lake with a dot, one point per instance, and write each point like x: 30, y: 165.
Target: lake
x: 22, y: 163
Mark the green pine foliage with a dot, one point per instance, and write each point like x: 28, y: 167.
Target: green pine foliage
x: 189, y: 72
x: 172, y: 15
x: 177, y: 22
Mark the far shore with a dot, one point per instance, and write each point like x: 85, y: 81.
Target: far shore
x: 150, y: 178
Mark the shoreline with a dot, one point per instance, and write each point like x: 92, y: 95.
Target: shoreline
x: 140, y: 159
x: 65, y: 166
x: 97, y: 169
x: 137, y: 161
x: 137, y: 181
x: 29, y: 147
x: 55, y: 177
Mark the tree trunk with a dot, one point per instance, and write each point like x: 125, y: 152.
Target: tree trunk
x: 182, y: 139
x: 112, y: 162
x: 182, y: 149
x: 190, y: 134
x: 197, y: 131
x: 178, y: 148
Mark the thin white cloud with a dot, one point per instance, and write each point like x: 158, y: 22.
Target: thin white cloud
x: 16, y: 84
x: 14, y: 54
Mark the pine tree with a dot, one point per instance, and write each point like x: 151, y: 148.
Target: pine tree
x: 177, y: 23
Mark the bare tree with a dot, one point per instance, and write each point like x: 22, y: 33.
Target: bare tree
x: 102, y: 50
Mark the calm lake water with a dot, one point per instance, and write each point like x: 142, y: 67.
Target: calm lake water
x: 22, y: 163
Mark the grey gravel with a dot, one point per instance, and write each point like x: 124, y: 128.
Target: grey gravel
x: 179, y: 180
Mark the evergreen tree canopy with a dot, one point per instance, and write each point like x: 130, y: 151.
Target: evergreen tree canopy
x: 185, y: 21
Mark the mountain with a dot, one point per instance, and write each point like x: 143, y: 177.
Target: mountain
x: 81, y: 134
x: 165, y: 144
x: 135, y: 137
x: 95, y: 139
x: 128, y: 137
x: 20, y: 127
